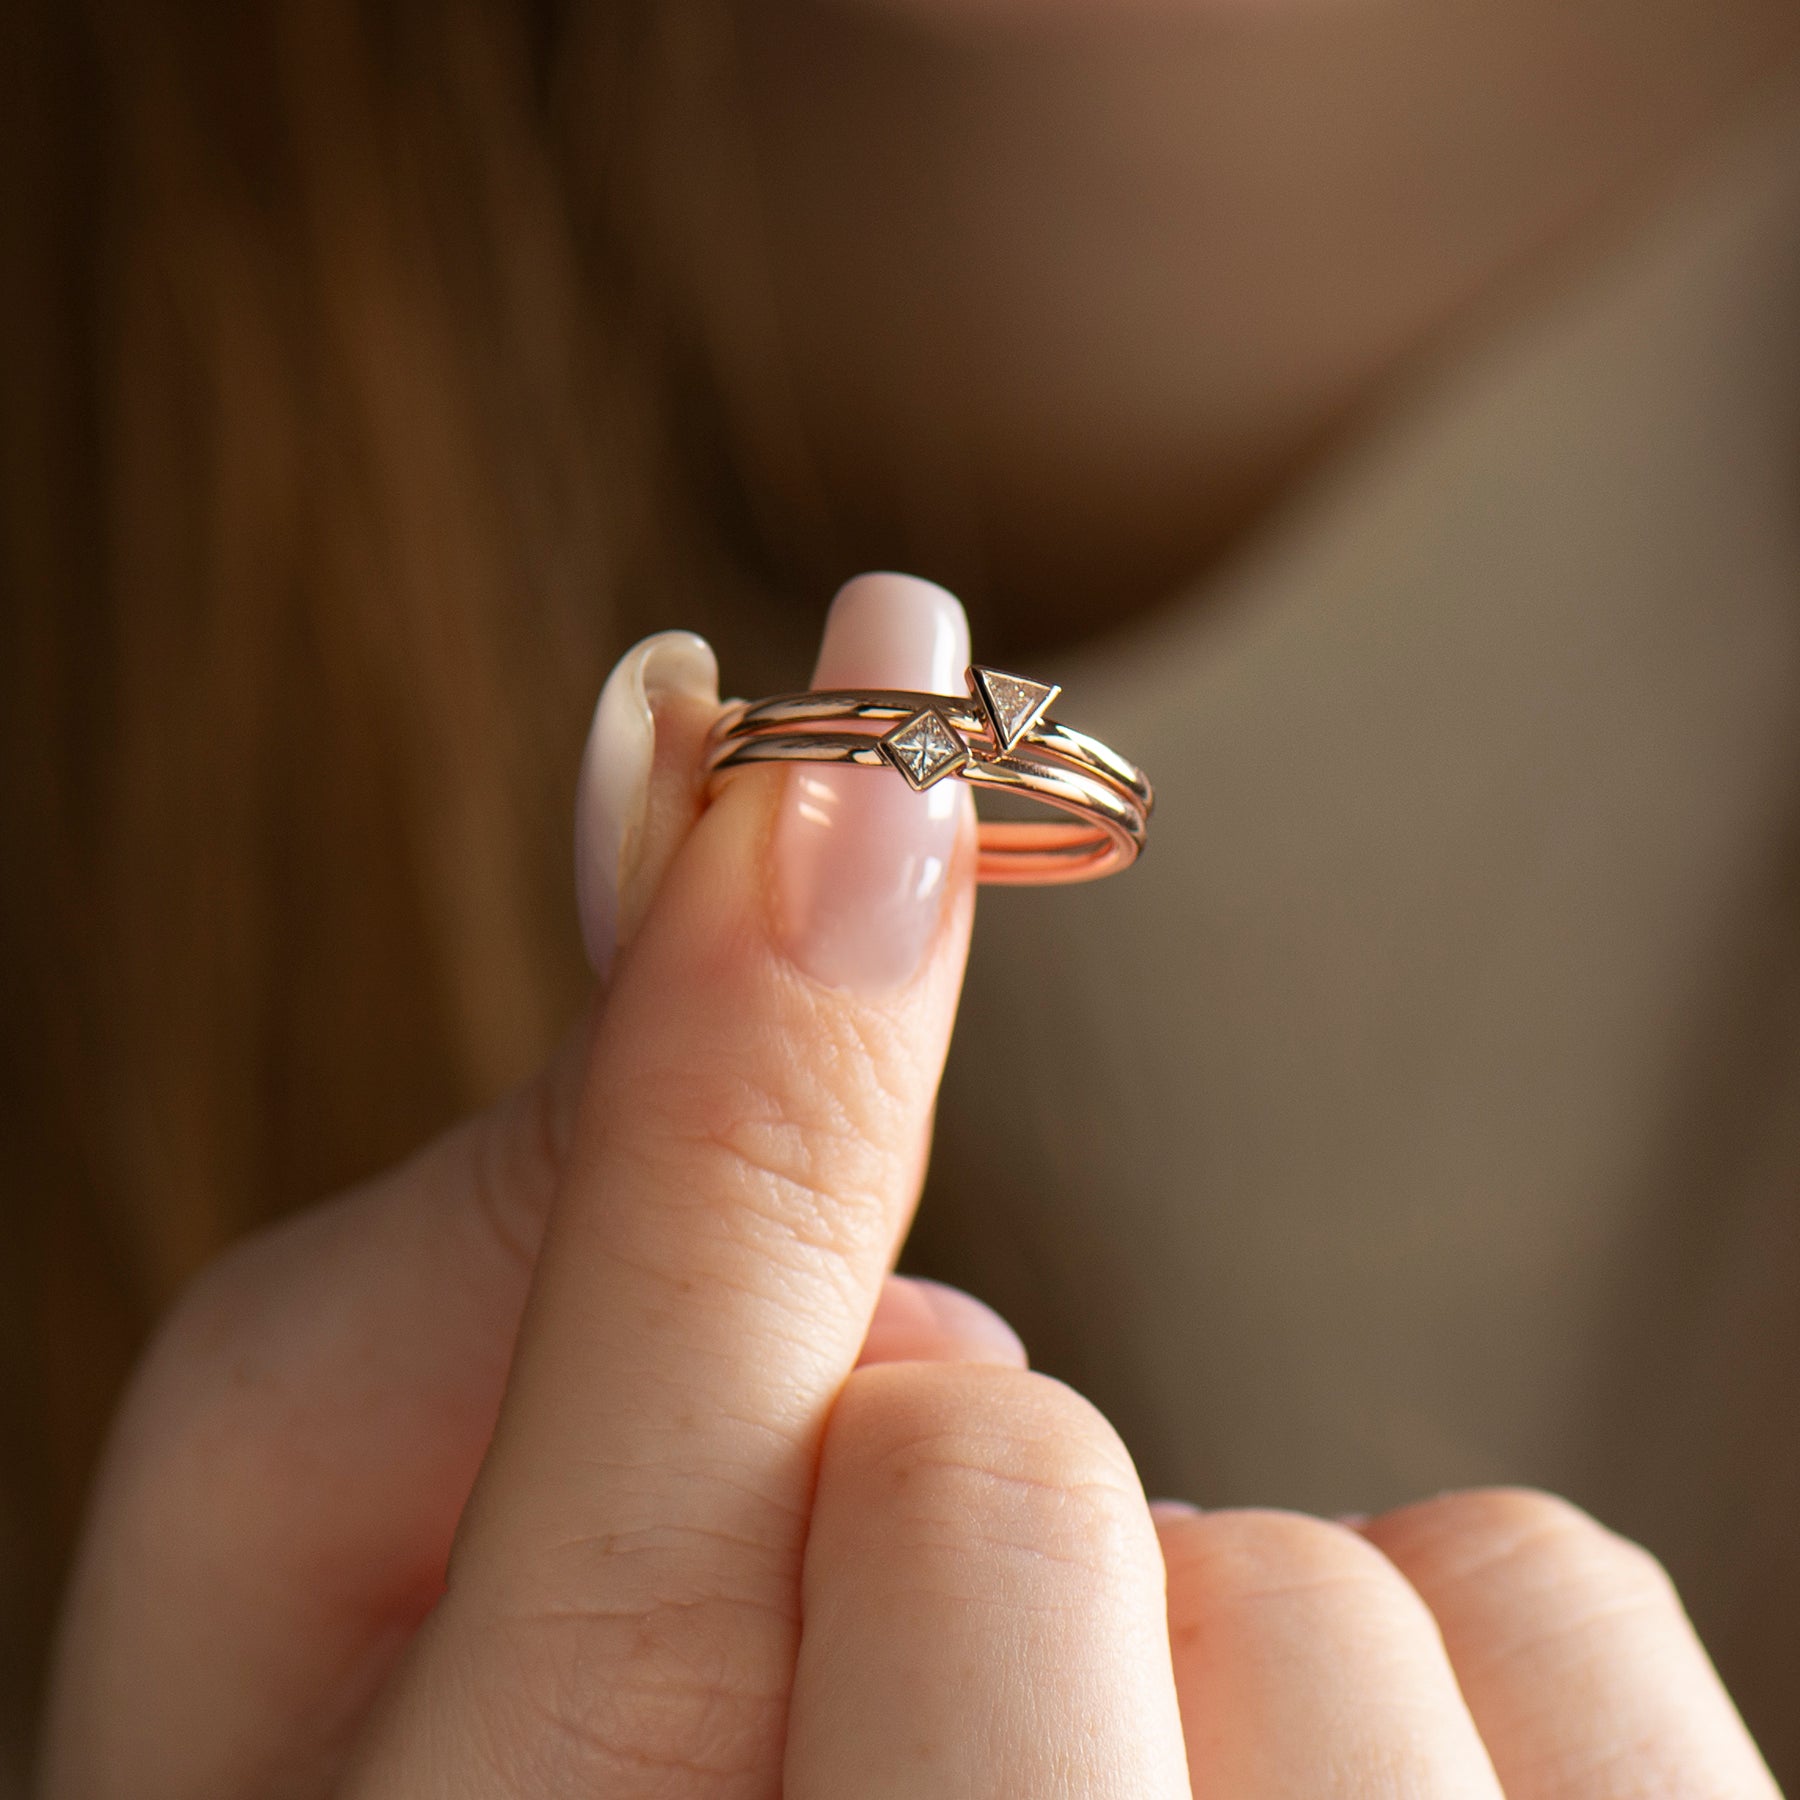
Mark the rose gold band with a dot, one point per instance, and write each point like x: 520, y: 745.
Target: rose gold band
x: 999, y: 738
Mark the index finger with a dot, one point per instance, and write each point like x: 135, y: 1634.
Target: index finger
x: 748, y: 1151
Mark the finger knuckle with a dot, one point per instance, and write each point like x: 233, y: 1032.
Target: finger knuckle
x: 1226, y: 1565
x: 1521, y: 1535
x: 629, y: 1699
x: 947, y: 1459
x: 200, y: 1414
x: 201, y: 1349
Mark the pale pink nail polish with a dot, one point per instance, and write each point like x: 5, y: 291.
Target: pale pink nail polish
x: 614, y: 788
x: 862, y: 862
x: 974, y: 1325
x: 925, y: 1321
x: 1170, y: 1512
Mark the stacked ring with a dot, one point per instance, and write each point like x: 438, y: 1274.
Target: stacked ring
x: 998, y: 737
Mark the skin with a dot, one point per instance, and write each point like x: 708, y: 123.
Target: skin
x: 1063, y: 297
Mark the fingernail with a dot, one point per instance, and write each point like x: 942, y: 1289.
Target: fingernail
x: 925, y: 1321
x: 1168, y: 1511
x: 612, y: 796
x: 971, y: 1323
x: 862, y: 862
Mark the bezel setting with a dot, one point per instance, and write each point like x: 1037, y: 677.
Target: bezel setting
x: 925, y: 749
x: 1013, y: 703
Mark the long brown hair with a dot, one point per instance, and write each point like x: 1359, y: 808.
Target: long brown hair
x: 353, y: 423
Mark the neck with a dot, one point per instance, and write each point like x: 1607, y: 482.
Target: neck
x: 1058, y: 310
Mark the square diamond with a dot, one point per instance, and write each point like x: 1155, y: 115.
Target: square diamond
x: 925, y: 748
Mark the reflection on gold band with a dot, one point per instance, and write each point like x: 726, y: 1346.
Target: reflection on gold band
x: 999, y: 738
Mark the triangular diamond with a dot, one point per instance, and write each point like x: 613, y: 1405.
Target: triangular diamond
x: 1013, y: 704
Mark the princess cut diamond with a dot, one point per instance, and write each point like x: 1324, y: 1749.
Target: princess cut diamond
x: 925, y: 748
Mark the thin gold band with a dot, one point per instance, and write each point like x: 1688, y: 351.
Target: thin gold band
x: 998, y: 739
x: 830, y: 706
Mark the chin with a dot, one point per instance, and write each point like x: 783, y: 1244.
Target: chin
x: 1096, y: 13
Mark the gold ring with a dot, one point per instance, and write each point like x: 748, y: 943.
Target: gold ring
x: 999, y: 736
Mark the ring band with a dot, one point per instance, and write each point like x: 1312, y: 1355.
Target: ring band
x: 999, y: 737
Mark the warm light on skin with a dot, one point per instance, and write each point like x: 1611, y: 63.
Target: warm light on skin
x: 1059, y: 295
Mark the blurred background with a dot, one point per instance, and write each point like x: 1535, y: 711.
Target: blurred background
x: 1380, y: 417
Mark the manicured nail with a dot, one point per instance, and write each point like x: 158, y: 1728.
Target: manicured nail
x: 925, y: 1321
x: 862, y: 861
x: 1166, y: 1512
x: 612, y: 796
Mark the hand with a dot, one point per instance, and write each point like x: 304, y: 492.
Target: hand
x: 420, y: 1495
x: 682, y: 1497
